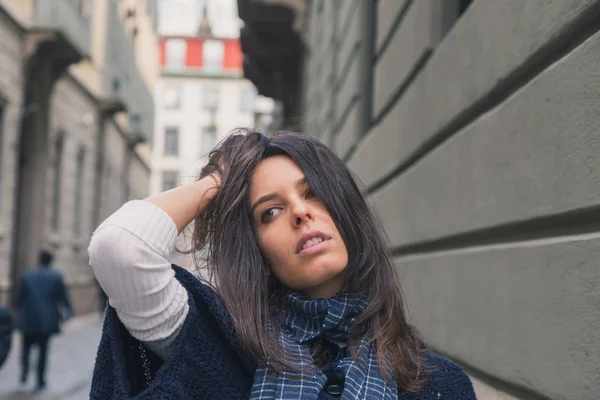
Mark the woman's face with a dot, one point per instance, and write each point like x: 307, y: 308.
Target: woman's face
x: 296, y: 234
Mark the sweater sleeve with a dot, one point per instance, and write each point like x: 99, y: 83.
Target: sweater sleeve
x: 129, y: 255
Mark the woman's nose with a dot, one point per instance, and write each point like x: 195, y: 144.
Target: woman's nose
x: 301, y: 214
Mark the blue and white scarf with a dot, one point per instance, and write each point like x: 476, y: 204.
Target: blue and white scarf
x: 331, y: 319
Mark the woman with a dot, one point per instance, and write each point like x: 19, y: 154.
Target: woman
x: 304, y: 301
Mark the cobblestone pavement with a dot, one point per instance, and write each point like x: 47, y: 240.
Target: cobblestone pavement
x: 70, y: 364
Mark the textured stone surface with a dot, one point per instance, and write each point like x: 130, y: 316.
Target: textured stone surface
x: 11, y: 65
x: 349, y: 89
x: 346, y: 9
x: 73, y: 114
x: 536, y: 154
x: 115, y: 145
x: 387, y: 14
x: 528, y: 314
x: 139, y: 178
x: 349, y: 130
x: 488, y: 43
x: 348, y: 41
x: 411, y: 40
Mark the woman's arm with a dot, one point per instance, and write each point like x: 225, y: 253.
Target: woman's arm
x: 185, y: 203
x: 129, y: 253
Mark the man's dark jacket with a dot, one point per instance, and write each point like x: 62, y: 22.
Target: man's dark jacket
x: 41, y: 298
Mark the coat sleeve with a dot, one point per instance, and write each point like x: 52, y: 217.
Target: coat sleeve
x: 206, y: 361
x: 448, y: 381
x: 129, y: 255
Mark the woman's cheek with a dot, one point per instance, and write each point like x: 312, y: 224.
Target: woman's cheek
x: 266, y: 246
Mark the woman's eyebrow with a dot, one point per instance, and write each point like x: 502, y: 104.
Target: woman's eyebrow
x: 302, y: 181
x: 268, y: 197
x: 264, y: 199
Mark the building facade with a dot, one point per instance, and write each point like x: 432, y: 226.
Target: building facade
x: 74, y: 109
x: 473, y: 126
x: 201, y: 96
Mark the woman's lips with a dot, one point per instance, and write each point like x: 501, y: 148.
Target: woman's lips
x: 308, y: 236
x: 315, y: 248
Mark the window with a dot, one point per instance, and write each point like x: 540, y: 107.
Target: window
x: 209, y: 139
x: 211, y: 97
x: 170, y: 180
x: 248, y: 97
x: 57, y: 172
x: 175, y: 53
x: 212, y: 55
x: 172, y: 97
x: 78, y: 191
x: 171, y: 141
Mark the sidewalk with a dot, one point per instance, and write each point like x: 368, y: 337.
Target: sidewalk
x: 70, y: 364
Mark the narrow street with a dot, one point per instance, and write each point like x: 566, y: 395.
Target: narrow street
x: 70, y: 364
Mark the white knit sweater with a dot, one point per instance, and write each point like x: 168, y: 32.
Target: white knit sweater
x: 129, y: 254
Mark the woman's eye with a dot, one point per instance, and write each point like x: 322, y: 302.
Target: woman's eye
x: 310, y: 194
x: 269, y: 214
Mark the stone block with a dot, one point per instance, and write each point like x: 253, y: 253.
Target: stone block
x: 388, y: 12
x: 349, y: 130
x: 349, y: 40
x: 486, y: 45
x: 413, y: 38
x: 536, y: 154
x: 345, y: 12
x: 349, y: 89
x: 524, y: 313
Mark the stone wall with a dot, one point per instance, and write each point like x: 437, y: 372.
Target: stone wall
x: 139, y: 178
x: 73, y: 116
x: 476, y: 138
x: 11, y: 93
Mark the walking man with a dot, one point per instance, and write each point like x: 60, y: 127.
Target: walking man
x: 42, y: 303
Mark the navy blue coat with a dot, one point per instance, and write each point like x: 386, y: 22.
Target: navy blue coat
x: 207, y: 361
x: 42, y: 295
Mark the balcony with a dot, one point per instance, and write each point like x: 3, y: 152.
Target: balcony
x: 67, y: 16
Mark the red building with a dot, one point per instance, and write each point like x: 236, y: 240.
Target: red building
x: 200, y: 55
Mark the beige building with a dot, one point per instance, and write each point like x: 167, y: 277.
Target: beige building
x: 76, y: 119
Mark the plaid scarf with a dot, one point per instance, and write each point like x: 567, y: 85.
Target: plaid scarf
x: 306, y: 319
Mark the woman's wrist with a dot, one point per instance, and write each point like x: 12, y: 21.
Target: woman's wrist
x: 208, y: 187
x: 183, y: 204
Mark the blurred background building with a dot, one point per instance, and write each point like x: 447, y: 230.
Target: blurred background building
x: 76, y: 119
x: 473, y: 126
x: 201, y: 95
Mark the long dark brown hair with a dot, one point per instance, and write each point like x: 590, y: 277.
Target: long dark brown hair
x: 238, y: 272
